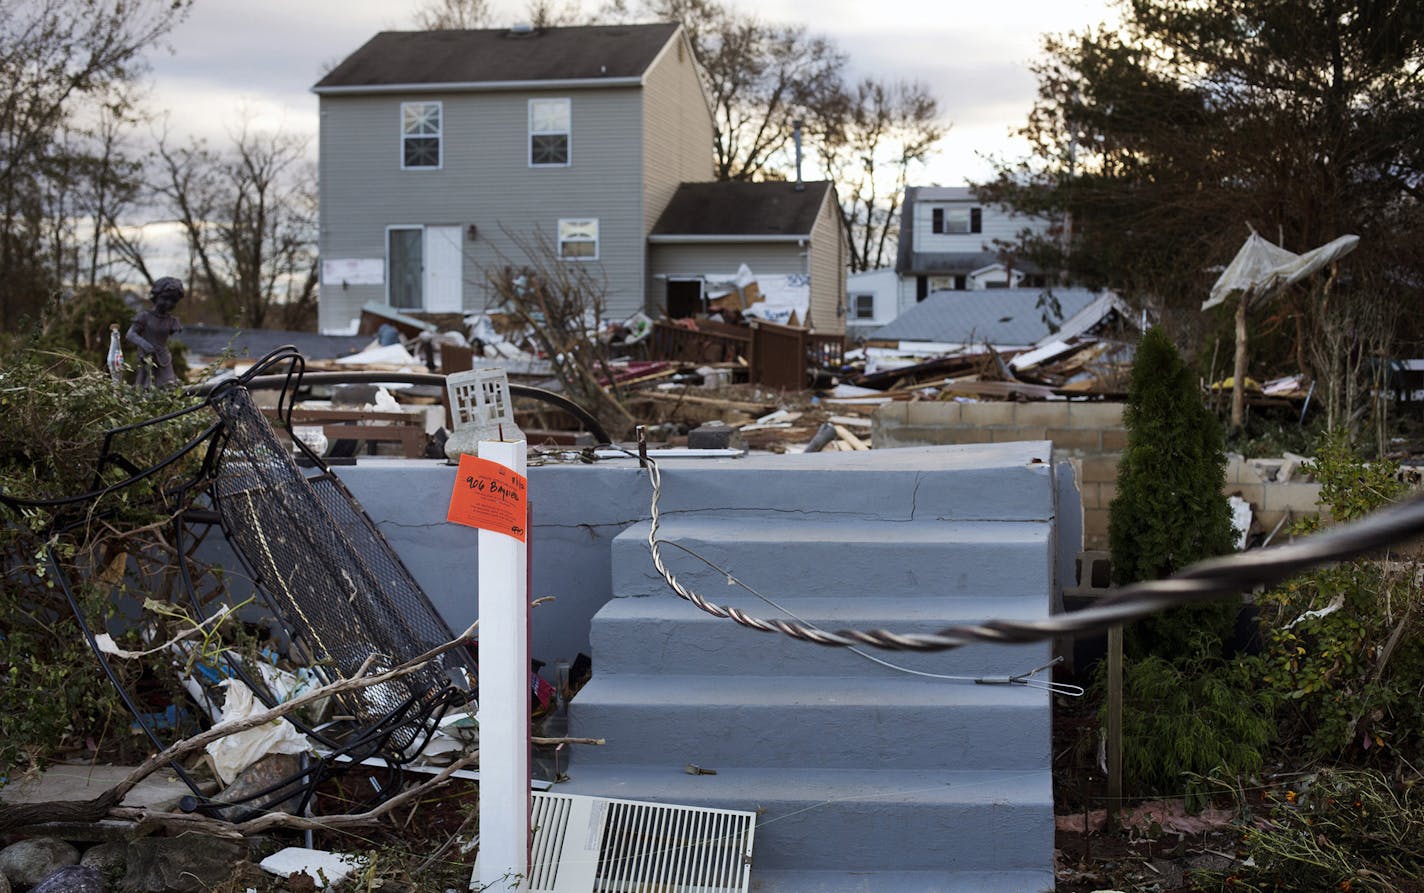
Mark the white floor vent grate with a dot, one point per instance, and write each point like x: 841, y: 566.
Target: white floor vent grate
x: 600, y: 845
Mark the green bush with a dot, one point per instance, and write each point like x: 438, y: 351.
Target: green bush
x: 56, y: 408
x: 1169, y: 510
x: 1190, y: 719
x: 1344, y: 658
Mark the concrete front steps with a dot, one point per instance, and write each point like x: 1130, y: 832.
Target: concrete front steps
x: 865, y: 777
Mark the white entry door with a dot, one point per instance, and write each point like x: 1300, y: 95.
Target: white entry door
x: 444, y: 269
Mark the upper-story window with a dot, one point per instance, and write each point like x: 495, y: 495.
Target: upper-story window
x: 864, y: 306
x: 957, y: 220
x: 549, y: 132
x: 578, y: 239
x: 421, y: 126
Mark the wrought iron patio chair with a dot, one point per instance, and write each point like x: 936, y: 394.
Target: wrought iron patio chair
x: 337, y: 591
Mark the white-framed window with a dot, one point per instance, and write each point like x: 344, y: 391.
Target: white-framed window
x: 422, y: 124
x: 578, y: 238
x: 862, y: 306
x: 549, y: 127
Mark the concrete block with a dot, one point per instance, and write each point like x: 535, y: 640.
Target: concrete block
x: 1252, y: 493
x: 1107, y: 492
x: 1101, y: 468
x: 1074, y: 438
x: 1114, y: 438
x: 1094, y: 570
x: 1267, y: 520
x: 987, y: 413
x: 1092, y: 496
x: 714, y: 436
x: 1254, y: 471
x: 1014, y: 435
x: 1095, y: 540
x: 1095, y: 523
x: 893, y: 412
x: 972, y: 435
x: 930, y: 412
x: 1300, y: 498
x: 1096, y: 415
x: 1050, y: 415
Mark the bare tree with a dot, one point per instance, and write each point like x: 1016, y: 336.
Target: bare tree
x: 881, y: 133
x: 555, y: 13
x: 562, y: 304
x: 453, y: 15
x: 759, y: 78
x: 55, y: 55
x: 248, y: 214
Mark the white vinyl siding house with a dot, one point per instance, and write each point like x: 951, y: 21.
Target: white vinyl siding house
x: 951, y: 241
x: 536, y: 136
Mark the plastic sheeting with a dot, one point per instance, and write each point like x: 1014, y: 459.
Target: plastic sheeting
x: 241, y: 749
x: 1261, y: 267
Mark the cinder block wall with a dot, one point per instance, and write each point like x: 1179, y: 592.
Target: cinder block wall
x: 1090, y: 436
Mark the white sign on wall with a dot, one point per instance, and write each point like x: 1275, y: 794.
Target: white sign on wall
x: 353, y: 271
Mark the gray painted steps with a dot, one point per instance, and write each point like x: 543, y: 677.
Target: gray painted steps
x: 798, y: 721
x: 785, y: 557
x: 865, y: 778
x: 928, y: 483
x: 862, y: 820
x: 667, y: 634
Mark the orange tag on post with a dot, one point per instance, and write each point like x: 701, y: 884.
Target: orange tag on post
x: 490, y: 496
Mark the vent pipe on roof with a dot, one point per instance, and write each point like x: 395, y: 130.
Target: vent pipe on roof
x: 796, y: 126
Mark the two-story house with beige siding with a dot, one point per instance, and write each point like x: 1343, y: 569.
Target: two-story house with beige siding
x: 440, y: 149
x: 948, y: 243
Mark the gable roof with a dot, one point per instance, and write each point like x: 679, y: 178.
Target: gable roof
x: 767, y: 211
x: 1010, y: 317
x: 467, y: 59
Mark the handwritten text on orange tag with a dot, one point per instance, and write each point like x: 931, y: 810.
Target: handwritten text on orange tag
x: 490, y: 496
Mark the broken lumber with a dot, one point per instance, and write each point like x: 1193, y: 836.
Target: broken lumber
x: 755, y: 409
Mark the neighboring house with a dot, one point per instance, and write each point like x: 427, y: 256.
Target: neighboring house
x: 872, y: 300
x: 1009, y: 319
x: 440, y: 149
x: 437, y: 145
x: 947, y: 243
x: 789, y: 235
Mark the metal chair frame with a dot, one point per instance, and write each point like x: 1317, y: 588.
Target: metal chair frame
x: 300, y: 539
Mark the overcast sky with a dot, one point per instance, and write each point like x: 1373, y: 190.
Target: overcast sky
x: 264, y: 55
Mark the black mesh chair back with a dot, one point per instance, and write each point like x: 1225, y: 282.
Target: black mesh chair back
x: 328, y: 574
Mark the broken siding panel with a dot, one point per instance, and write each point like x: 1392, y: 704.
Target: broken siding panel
x: 677, y: 129
x: 485, y: 180
x: 828, y: 271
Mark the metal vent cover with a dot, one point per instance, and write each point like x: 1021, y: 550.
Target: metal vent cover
x: 584, y: 844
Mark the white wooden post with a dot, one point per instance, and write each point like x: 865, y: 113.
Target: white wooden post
x: 504, y: 696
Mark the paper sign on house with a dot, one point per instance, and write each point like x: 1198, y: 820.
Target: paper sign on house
x: 490, y: 496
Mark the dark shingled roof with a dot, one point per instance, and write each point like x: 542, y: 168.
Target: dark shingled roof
x: 736, y: 208
x: 472, y: 57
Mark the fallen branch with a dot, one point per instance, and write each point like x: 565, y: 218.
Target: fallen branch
x: 188, y: 821
x: 20, y: 814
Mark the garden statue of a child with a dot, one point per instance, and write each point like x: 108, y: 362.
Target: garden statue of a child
x: 150, y: 332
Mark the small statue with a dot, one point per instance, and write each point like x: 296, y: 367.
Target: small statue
x: 150, y: 332
x: 114, y: 362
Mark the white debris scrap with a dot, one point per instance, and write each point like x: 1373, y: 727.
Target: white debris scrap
x: 325, y: 868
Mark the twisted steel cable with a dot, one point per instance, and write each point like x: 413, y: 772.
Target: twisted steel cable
x: 1213, y: 578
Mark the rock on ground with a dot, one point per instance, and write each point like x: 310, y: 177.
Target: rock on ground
x: 72, y: 879
x: 189, y: 864
x: 28, y: 862
x: 109, y: 858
